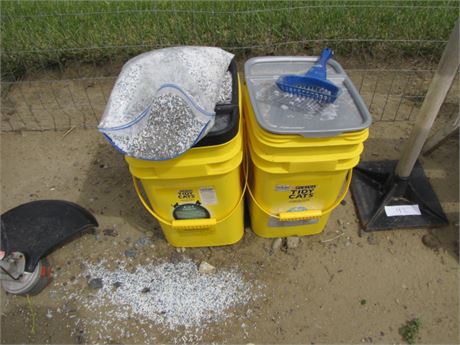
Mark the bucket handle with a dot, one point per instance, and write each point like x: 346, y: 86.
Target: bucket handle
x: 192, y: 224
x: 307, y: 214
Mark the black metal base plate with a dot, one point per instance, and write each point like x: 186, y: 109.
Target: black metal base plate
x: 374, y: 186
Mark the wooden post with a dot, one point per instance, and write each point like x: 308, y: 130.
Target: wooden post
x: 434, y: 98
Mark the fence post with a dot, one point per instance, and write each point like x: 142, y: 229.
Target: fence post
x: 434, y: 98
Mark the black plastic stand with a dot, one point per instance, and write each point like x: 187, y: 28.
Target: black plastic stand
x: 36, y: 228
x: 375, y: 186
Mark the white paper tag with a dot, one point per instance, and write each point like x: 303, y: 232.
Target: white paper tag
x: 402, y: 210
x: 208, y: 195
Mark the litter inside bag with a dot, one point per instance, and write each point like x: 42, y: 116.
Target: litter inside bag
x: 163, y: 101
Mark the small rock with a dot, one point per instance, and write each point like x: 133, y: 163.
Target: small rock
x: 143, y: 241
x: 49, y: 314
x: 292, y: 242
x: 430, y: 241
x: 175, y: 257
x: 110, y: 232
x: 116, y: 285
x: 95, y: 283
x: 130, y: 253
x: 372, y: 239
x: 180, y: 249
x: 145, y: 290
x: 206, y: 268
x: 343, y: 203
x: 276, y: 244
x: 340, y: 222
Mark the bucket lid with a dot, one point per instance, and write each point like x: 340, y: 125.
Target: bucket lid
x: 348, y: 113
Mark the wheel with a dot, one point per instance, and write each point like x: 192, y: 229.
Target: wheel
x: 30, y: 283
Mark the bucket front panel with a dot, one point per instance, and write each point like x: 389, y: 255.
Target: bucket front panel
x: 293, y: 192
x: 191, y: 198
x: 213, y: 196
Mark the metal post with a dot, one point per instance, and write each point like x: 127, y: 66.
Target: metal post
x: 434, y: 98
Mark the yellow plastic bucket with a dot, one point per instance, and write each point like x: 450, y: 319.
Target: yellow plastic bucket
x: 295, y: 198
x: 293, y: 195
x: 198, y: 197
x: 295, y: 181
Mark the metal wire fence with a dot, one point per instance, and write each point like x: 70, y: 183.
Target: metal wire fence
x: 64, y: 86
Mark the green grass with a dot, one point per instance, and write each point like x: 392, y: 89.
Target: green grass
x: 410, y: 331
x: 42, y: 34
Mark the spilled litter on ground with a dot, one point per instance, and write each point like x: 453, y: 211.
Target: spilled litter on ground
x: 174, y: 299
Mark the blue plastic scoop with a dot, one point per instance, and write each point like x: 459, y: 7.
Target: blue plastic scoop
x: 313, y: 84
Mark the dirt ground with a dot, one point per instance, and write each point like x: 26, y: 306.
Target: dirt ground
x: 332, y: 288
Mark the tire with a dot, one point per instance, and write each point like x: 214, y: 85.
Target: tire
x: 30, y: 283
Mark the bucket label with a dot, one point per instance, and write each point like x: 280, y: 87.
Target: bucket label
x: 208, y: 195
x: 297, y: 193
x: 192, y: 203
x: 205, y: 195
x: 186, y: 194
x: 190, y: 211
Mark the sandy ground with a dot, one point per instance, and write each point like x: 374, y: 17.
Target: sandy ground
x: 330, y: 289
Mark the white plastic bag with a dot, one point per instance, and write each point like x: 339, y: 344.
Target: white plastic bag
x: 163, y: 101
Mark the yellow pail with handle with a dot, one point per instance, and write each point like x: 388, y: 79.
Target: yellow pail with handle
x: 197, y: 197
x: 300, y: 165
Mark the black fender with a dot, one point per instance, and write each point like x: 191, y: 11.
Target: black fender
x: 38, y: 227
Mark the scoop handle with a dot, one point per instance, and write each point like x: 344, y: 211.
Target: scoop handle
x: 318, y: 70
x: 326, y: 54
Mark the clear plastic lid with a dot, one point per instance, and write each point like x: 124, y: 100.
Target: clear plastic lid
x: 281, y: 113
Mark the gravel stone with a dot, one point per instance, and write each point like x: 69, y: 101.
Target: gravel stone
x: 110, y: 232
x: 372, y: 239
x: 206, y: 268
x: 130, y: 253
x: 430, y: 241
x: 96, y: 283
x: 143, y: 241
x: 276, y: 244
x: 292, y: 242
